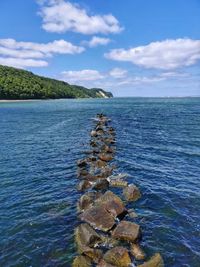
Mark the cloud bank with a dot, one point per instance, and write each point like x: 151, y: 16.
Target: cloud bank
x: 60, y: 16
x: 29, y: 54
x: 166, y: 55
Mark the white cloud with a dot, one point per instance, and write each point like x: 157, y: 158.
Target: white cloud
x: 81, y: 76
x: 22, y: 62
x: 118, y: 73
x: 60, y: 16
x: 95, y: 41
x: 12, y: 51
x: 168, y: 54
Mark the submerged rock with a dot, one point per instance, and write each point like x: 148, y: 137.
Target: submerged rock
x: 98, y: 217
x: 131, y: 193
x: 137, y: 252
x: 118, y: 256
x: 155, y: 261
x: 81, y: 261
x: 127, y: 231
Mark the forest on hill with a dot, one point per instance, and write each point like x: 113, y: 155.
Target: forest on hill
x: 21, y: 84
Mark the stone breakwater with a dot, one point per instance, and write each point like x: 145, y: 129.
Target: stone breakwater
x: 107, y: 235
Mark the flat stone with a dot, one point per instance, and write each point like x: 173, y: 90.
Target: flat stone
x: 98, y: 217
x: 137, y: 252
x: 81, y: 261
x: 131, y: 193
x: 127, y: 231
x: 112, y: 203
x: 118, y: 256
x: 155, y: 261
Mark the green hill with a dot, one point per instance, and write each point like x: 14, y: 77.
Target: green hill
x: 22, y: 84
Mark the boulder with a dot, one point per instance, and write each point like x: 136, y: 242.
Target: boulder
x: 112, y: 203
x: 98, y: 217
x: 87, y: 200
x: 82, y: 163
x: 100, y: 164
x: 118, y: 256
x: 137, y: 252
x: 131, y: 193
x: 105, y: 156
x: 155, y: 261
x: 83, y: 185
x: 94, y: 254
x: 81, y: 261
x: 86, y: 236
x: 127, y: 231
x: 101, y: 184
x: 93, y: 133
x: 103, y: 263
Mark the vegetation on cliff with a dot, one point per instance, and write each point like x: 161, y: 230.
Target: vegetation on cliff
x: 22, y: 84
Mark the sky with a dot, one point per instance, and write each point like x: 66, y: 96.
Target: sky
x: 147, y: 48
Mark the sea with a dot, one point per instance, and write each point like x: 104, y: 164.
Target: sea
x: 158, y: 145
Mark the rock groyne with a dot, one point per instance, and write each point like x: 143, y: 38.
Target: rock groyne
x: 107, y: 235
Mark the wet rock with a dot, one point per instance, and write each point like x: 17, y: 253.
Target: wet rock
x: 137, y: 252
x: 118, y: 256
x: 106, y: 172
x: 86, y: 236
x: 82, y: 172
x: 118, y: 183
x: 98, y: 217
x: 93, y: 133
x: 119, y: 176
x: 94, y: 254
x: 82, y: 163
x: 87, y: 200
x: 81, y: 261
x: 108, y: 241
x: 107, y: 149
x: 155, y: 261
x: 112, y: 203
x: 127, y: 231
x: 105, y: 156
x: 100, y: 164
x: 103, y: 263
x: 101, y: 184
x: 131, y: 193
x: 83, y: 185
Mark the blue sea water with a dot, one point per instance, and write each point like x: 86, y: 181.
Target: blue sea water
x: 158, y: 144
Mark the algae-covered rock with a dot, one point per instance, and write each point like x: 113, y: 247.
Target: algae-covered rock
x: 137, y: 252
x: 81, y: 261
x: 131, y: 193
x: 118, y: 256
x: 155, y: 261
x: 127, y: 231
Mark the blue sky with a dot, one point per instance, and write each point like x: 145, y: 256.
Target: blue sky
x: 132, y: 47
